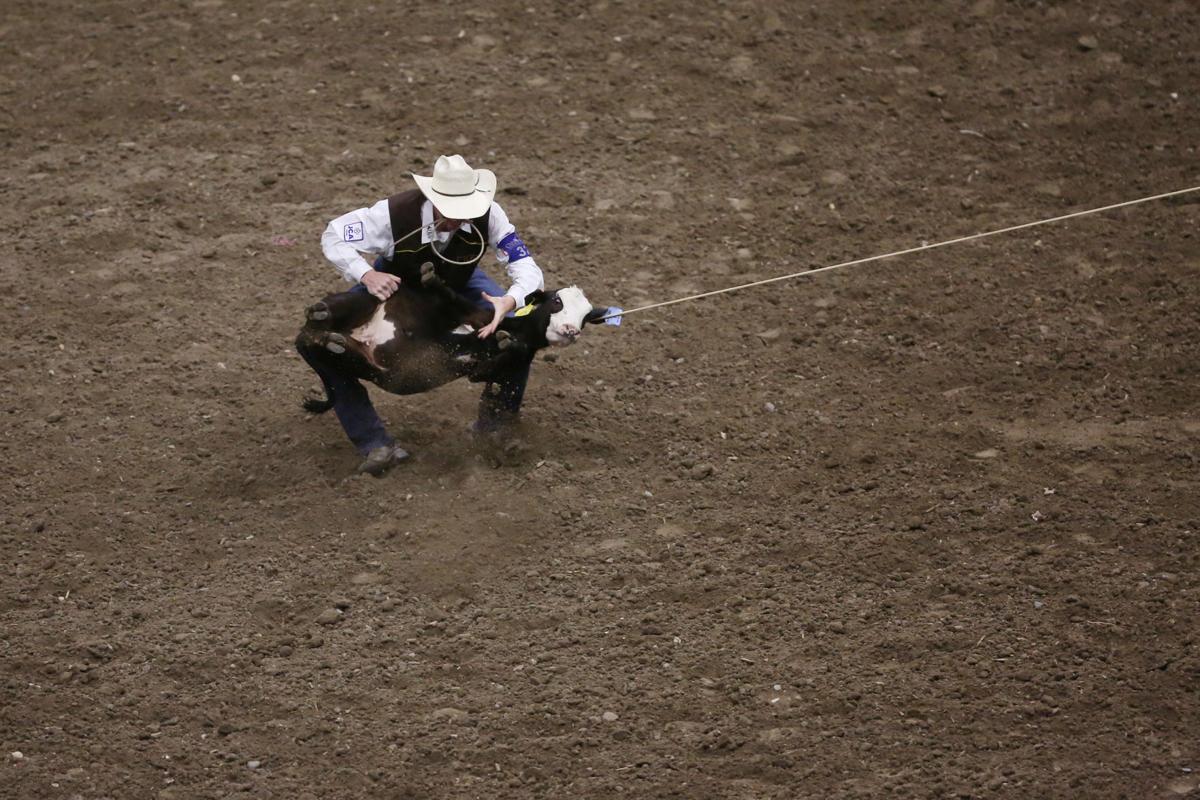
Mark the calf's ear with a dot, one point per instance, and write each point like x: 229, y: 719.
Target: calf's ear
x: 598, y: 313
x: 609, y: 314
x: 535, y: 297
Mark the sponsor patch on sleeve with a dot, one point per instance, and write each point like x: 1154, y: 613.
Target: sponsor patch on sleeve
x: 353, y: 232
x: 513, y: 247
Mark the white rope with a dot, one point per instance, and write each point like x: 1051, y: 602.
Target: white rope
x: 432, y: 243
x: 856, y: 261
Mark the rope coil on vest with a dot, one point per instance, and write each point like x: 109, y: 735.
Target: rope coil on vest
x: 474, y: 260
x: 907, y: 251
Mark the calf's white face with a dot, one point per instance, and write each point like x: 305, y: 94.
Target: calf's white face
x: 567, y: 321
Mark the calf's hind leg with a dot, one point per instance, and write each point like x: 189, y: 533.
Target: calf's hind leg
x: 461, y: 309
x: 342, y: 310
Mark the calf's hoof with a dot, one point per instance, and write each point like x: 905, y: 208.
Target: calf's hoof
x: 429, y: 276
x: 318, y: 312
x: 510, y: 344
x: 336, y: 343
x: 381, y: 459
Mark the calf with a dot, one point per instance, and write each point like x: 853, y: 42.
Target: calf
x: 419, y: 339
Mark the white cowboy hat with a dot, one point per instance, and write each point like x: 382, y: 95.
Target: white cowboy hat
x: 456, y: 190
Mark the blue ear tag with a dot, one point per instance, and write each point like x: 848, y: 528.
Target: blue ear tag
x: 613, y: 320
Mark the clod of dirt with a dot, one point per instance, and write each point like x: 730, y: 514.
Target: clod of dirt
x: 1088, y: 42
x: 663, y: 200
x: 98, y: 650
x: 834, y: 178
x: 455, y: 715
x: 330, y: 616
x: 702, y: 471
x: 610, y: 716
x: 991, y: 452
x: 1184, y: 785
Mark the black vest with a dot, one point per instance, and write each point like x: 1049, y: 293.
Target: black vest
x: 411, y: 253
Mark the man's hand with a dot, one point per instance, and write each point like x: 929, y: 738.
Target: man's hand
x: 380, y: 284
x: 504, y: 304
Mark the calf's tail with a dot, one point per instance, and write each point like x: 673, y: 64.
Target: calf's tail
x: 314, y: 405
x: 317, y: 405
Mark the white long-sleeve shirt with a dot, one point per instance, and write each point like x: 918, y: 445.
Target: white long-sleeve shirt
x: 369, y: 230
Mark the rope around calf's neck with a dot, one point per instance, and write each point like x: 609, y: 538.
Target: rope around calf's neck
x: 907, y: 251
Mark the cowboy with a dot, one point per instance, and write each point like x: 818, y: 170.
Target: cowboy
x: 446, y: 223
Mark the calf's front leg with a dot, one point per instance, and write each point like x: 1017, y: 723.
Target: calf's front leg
x: 513, y: 352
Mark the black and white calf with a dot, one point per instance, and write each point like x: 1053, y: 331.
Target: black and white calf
x: 419, y: 339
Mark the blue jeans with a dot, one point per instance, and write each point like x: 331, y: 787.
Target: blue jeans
x: 351, y: 404
x: 499, y: 402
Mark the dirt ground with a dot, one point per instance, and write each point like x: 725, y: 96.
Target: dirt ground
x: 924, y: 528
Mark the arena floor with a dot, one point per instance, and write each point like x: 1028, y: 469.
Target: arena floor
x: 925, y: 528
